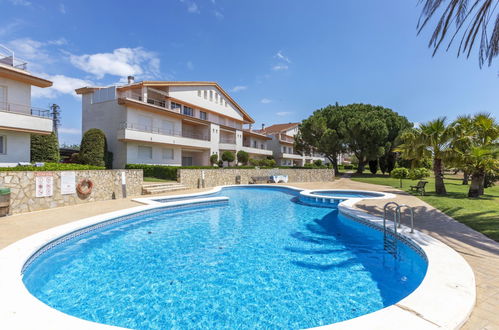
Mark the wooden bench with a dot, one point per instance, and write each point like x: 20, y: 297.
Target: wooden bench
x: 261, y: 179
x: 419, y: 187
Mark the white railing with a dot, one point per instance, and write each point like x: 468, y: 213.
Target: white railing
x: 286, y: 138
x: 7, y: 57
x: 24, y: 110
x: 228, y: 140
x: 162, y: 131
x: 258, y: 146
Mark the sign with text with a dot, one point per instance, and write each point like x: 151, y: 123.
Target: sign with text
x: 44, y: 184
x: 68, y: 183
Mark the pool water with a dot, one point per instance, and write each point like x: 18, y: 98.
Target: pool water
x: 347, y: 194
x: 260, y: 261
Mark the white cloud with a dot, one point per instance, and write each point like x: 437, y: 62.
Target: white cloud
x: 218, y: 14
x: 190, y: 65
x: 265, y: 101
x: 62, y: 8
x: 193, y: 8
x: 280, y: 67
x: 37, y: 52
x: 69, y: 130
x: 281, y: 56
x: 236, y: 89
x: 20, y: 3
x: 283, y: 113
x: 62, y: 85
x: 121, y: 62
x: 8, y: 28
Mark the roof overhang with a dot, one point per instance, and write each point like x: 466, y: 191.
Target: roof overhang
x: 23, y: 76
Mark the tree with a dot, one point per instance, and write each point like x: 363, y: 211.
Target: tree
x: 93, y: 148
x: 228, y: 157
x: 373, y: 166
x: 471, y: 21
x: 432, y: 140
x: 213, y: 159
x: 242, y: 157
x: 45, y: 148
x: 476, y: 146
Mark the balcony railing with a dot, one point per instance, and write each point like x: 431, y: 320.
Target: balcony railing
x: 7, y: 57
x: 169, y: 132
x: 24, y: 110
x: 228, y: 140
x: 286, y: 138
x: 258, y: 146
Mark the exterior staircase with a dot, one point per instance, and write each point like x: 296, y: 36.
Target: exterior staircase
x: 149, y: 188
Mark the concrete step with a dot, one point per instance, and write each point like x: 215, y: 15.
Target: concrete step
x: 161, y: 188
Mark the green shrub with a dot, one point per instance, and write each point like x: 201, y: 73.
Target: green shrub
x: 156, y: 171
x: 348, y: 167
x: 400, y: 173
x: 242, y: 157
x: 418, y: 173
x: 373, y: 166
x: 253, y: 162
x: 213, y: 159
x: 228, y: 156
x: 53, y: 167
x: 318, y: 162
x: 45, y: 148
x: 93, y: 150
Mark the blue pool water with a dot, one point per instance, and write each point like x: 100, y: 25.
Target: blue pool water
x: 347, y: 194
x: 259, y: 261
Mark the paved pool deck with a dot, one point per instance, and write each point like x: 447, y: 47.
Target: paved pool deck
x: 479, y: 251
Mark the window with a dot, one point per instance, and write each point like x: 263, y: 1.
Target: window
x: 254, y: 144
x: 205, y: 95
x: 174, y: 105
x: 188, y: 111
x: 211, y: 95
x: 167, y: 127
x: 262, y: 146
x: 167, y: 153
x: 216, y: 97
x: 284, y: 149
x: 3, y: 145
x: 145, y: 152
x: 203, y: 115
x: 3, y: 97
x: 225, y: 104
x: 199, y: 93
x: 145, y: 123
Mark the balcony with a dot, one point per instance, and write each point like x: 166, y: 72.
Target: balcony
x: 259, y: 149
x: 227, y: 140
x: 7, y: 57
x: 286, y: 138
x: 25, y: 118
x: 156, y: 130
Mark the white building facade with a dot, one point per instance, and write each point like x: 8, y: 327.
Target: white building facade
x: 18, y: 119
x: 169, y: 123
x: 282, y: 145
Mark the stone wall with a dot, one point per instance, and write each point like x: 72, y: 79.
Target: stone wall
x: 107, y: 185
x: 218, y: 177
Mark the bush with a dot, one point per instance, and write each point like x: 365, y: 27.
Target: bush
x: 156, y: 171
x: 228, y: 157
x: 400, y: 173
x: 213, y: 159
x: 318, y: 162
x: 242, y: 157
x: 93, y: 150
x: 53, y: 167
x: 373, y: 166
x: 45, y: 148
x: 348, y: 167
x: 418, y: 173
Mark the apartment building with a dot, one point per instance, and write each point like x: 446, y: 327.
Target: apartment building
x: 169, y: 123
x: 18, y: 119
x: 282, y: 145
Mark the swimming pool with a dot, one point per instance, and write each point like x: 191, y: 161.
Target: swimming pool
x: 260, y: 260
x: 345, y: 194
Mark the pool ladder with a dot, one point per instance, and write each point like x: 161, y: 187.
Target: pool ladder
x: 397, y: 216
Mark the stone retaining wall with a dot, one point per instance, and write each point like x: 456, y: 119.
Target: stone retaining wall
x: 107, y: 185
x: 218, y: 177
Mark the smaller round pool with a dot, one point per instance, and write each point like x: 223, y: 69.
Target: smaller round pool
x: 347, y: 193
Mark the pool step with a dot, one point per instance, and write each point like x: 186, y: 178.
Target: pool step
x: 157, y: 188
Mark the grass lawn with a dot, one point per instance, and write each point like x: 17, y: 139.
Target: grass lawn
x: 481, y: 214
x: 150, y: 179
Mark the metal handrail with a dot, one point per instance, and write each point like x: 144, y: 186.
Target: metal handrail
x: 169, y: 132
x: 399, y: 215
x: 24, y: 109
x: 394, y: 218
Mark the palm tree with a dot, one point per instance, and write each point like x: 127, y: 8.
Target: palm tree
x: 476, y: 148
x: 431, y: 140
x: 475, y: 20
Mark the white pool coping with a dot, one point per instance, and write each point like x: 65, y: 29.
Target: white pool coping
x: 443, y: 300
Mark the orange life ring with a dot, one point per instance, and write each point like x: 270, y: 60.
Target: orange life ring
x: 80, y: 188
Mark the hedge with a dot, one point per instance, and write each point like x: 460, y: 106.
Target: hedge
x: 53, y: 167
x: 166, y: 172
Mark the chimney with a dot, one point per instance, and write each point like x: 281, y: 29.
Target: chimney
x: 263, y: 126
x: 131, y: 80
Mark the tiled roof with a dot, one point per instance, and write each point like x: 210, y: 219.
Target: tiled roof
x: 278, y: 128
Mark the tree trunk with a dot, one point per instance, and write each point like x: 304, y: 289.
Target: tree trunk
x: 334, y: 160
x: 439, y: 177
x: 476, y: 187
x: 466, y: 177
x: 360, y: 167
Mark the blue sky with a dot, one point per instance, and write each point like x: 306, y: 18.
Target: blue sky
x: 280, y: 60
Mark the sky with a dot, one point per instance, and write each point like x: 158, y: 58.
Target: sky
x: 280, y: 60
